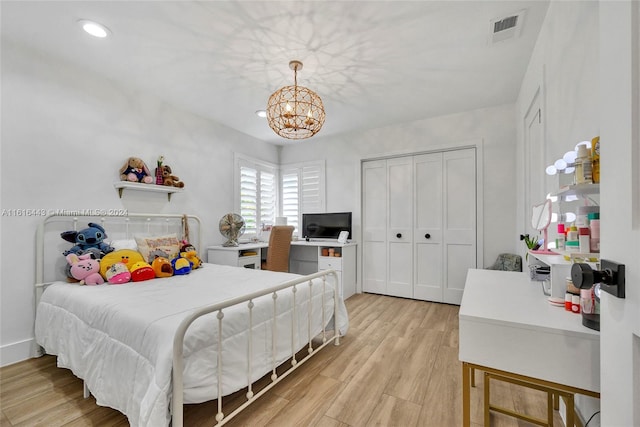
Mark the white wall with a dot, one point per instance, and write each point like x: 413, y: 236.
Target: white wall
x: 494, y: 127
x: 65, y: 135
x: 565, y: 64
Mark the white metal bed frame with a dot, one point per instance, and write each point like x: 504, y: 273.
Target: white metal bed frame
x: 177, y: 399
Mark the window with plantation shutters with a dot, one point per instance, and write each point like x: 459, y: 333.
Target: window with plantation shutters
x: 302, y: 190
x: 256, y: 195
x: 264, y: 191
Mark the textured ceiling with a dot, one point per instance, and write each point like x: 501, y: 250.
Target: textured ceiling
x: 373, y: 63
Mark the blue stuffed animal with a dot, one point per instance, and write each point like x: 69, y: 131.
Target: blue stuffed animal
x: 181, y: 266
x: 89, y: 240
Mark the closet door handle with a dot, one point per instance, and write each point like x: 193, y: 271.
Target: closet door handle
x: 399, y: 235
x: 427, y: 236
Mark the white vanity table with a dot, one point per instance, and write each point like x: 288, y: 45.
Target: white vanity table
x: 304, y: 258
x: 507, y: 327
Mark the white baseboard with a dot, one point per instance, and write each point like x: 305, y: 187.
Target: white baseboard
x: 18, y: 351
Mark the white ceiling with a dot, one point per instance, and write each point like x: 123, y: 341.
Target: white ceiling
x: 373, y: 63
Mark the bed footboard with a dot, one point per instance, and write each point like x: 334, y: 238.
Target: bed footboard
x: 177, y: 401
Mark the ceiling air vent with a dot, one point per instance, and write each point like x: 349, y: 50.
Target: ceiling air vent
x: 506, y: 27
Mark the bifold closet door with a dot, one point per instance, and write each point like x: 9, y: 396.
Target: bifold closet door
x: 419, y: 225
x: 400, y: 227
x: 428, y: 227
x: 374, y: 226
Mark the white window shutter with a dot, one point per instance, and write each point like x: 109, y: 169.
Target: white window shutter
x: 256, y: 193
x: 267, y: 198
x: 313, y: 183
x: 289, y: 196
x: 302, y: 188
x: 249, y: 198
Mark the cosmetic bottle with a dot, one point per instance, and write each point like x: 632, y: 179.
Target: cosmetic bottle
x: 594, y: 226
x: 583, y: 239
x: 583, y: 166
x: 561, y: 237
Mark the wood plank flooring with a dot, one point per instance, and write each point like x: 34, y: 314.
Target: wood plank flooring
x: 397, y: 366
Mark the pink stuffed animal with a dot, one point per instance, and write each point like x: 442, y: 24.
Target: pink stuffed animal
x: 85, y: 269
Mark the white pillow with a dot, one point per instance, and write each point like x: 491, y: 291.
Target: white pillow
x: 124, y: 244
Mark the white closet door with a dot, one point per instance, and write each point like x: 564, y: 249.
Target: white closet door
x: 400, y: 227
x: 459, y: 225
x: 427, y: 235
x: 374, y: 226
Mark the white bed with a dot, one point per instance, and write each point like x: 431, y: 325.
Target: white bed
x: 120, y: 338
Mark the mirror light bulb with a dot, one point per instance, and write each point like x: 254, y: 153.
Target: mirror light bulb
x: 570, y: 216
x: 550, y: 170
x: 560, y: 164
x: 570, y: 157
x: 569, y: 170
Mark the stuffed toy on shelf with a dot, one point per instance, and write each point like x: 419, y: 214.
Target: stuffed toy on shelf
x: 135, y: 170
x: 169, y: 179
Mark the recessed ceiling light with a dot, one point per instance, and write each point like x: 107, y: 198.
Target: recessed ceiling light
x: 261, y: 113
x: 93, y: 28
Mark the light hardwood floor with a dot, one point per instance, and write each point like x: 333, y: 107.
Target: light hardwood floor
x: 397, y: 366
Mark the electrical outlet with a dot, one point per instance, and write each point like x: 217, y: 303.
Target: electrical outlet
x: 615, y: 285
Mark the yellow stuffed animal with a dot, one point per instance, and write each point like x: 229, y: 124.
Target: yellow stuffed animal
x: 128, y: 257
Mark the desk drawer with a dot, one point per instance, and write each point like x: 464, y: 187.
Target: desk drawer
x: 329, y: 263
x: 249, y: 262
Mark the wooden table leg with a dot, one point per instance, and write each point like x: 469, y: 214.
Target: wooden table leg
x: 487, y: 400
x: 570, y: 410
x: 466, y: 395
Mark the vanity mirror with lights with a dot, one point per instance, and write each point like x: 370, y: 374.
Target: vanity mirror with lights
x: 563, y: 207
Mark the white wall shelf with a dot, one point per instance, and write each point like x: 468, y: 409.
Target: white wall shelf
x: 152, y: 188
x: 578, y: 190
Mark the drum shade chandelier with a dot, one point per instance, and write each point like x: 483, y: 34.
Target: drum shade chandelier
x: 295, y: 112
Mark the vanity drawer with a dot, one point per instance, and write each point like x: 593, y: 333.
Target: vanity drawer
x: 329, y: 263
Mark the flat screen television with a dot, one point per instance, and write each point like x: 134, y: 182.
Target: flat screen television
x: 325, y: 225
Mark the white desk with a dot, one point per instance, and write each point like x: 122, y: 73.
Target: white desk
x: 304, y: 258
x: 508, y: 327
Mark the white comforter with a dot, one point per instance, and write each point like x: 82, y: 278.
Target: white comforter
x: 119, y: 338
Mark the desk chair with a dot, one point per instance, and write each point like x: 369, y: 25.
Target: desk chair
x: 279, y: 247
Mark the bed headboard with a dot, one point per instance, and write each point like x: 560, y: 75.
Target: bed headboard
x: 50, y: 263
